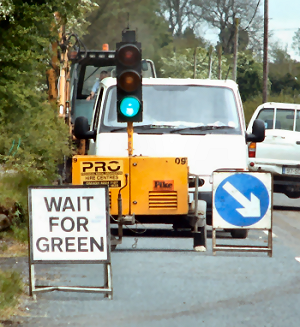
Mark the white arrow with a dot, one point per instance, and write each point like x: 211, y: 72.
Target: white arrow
x: 251, y: 207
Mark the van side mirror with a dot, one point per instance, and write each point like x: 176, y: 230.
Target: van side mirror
x: 144, y: 65
x: 82, y: 130
x: 258, y: 132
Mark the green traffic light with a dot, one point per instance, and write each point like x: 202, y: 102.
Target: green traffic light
x: 130, y: 106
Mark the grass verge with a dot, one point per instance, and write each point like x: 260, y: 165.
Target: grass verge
x: 13, y: 243
x: 11, y: 287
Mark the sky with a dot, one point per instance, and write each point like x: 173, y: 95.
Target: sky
x: 284, y: 20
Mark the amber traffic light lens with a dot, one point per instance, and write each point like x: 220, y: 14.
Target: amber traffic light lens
x: 129, y: 55
x: 129, y: 81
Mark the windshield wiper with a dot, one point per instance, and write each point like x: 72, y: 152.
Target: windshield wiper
x: 202, y: 128
x: 148, y: 126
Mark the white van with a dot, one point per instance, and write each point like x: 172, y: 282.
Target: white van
x: 202, y: 120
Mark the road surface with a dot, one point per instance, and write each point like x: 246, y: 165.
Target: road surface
x: 164, y: 283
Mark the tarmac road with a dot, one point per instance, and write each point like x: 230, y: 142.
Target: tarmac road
x: 164, y: 283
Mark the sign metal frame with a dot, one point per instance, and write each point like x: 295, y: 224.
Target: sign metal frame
x: 107, y: 288
x: 269, y: 213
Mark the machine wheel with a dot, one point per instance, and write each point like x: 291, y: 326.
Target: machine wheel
x: 293, y: 195
x: 113, y: 246
x: 239, y: 233
x: 209, y: 220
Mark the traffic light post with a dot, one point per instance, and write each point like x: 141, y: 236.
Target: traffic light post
x: 129, y: 83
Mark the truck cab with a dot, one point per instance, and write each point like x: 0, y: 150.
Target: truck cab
x: 201, y: 120
x: 86, y: 69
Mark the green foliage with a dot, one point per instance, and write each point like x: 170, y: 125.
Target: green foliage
x: 33, y: 140
x: 278, y: 53
x: 249, y: 76
x: 15, y: 182
x: 250, y: 105
x: 20, y: 232
x: 180, y: 64
x: 286, y: 83
x: 10, y: 289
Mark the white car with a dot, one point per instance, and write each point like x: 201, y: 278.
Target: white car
x: 280, y: 151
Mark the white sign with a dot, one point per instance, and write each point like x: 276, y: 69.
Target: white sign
x: 242, y: 200
x: 68, y: 223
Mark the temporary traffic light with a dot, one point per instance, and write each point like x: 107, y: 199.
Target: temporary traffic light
x: 129, y: 79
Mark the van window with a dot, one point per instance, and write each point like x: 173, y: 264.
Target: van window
x: 91, y: 75
x: 267, y: 116
x: 97, y: 113
x: 181, y: 106
x: 284, y: 118
x: 297, y: 121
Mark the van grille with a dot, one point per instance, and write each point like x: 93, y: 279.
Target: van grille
x: 162, y: 200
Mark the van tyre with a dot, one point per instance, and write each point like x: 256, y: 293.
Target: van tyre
x: 239, y: 233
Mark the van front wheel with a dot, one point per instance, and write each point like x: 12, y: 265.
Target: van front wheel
x: 239, y: 233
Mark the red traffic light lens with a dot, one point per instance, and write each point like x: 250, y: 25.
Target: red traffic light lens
x: 129, y: 81
x: 129, y: 55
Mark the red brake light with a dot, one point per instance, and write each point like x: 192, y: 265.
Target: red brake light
x: 252, y: 150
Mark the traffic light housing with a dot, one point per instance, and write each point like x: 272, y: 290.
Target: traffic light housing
x: 129, y: 79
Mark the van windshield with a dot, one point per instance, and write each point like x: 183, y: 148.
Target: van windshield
x: 183, y: 107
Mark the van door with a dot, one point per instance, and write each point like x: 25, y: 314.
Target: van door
x: 95, y: 121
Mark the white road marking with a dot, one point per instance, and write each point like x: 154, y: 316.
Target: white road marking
x: 273, y: 235
x: 297, y: 258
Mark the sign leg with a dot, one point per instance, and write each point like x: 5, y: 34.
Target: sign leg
x: 270, y: 243
x: 108, y: 280
x: 32, y: 281
x: 214, y: 240
x: 109, y: 275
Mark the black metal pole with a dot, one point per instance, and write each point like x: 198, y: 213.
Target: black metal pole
x: 265, y: 55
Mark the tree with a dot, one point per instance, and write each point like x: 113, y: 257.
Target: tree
x: 278, y: 53
x: 296, y: 41
x: 188, y: 40
x: 111, y: 17
x: 32, y: 138
x: 287, y: 83
x: 221, y: 14
x: 283, y: 70
x: 249, y: 76
x: 179, y: 15
x: 181, y: 64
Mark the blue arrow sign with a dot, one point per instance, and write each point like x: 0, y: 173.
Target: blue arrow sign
x: 241, y: 199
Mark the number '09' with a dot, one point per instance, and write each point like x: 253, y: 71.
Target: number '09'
x: 181, y: 161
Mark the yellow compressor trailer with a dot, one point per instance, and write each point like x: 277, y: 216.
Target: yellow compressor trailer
x: 147, y: 190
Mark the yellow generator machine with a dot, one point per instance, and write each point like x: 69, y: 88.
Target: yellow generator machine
x: 143, y: 190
